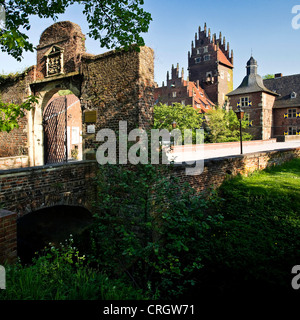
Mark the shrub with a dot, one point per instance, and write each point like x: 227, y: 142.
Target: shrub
x: 149, y: 227
x: 62, y: 274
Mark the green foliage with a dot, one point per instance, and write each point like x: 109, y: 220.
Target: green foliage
x: 61, y: 274
x: 64, y: 92
x: 185, y: 117
x: 259, y: 239
x: 148, y: 227
x: 269, y: 76
x: 223, y: 126
x: 10, y: 113
x: 115, y: 23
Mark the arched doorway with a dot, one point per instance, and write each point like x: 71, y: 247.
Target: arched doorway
x: 62, y: 127
x: 54, y: 225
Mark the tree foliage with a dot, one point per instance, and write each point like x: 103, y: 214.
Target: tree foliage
x: 10, y: 113
x: 269, y: 76
x: 115, y: 23
x: 185, y: 117
x: 223, y: 126
x: 148, y: 226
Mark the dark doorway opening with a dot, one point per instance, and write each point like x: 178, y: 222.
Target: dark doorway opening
x: 37, y: 229
x: 62, y: 122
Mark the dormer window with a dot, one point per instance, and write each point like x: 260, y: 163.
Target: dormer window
x: 54, y: 61
x: 293, y: 95
x: 198, y: 60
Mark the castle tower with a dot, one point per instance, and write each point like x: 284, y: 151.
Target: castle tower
x: 211, y: 63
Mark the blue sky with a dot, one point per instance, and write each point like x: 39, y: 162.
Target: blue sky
x: 263, y: 26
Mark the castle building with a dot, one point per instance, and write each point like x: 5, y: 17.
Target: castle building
x: 210, y: 78
x: 271, y: 106
x: 185, y: 92
x: 210, y: 63
x: 286, y: 108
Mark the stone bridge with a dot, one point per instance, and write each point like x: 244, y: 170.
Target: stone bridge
x: 30, y: 189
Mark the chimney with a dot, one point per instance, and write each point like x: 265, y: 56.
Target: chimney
x: 278, y: 75
x: 197, y: 84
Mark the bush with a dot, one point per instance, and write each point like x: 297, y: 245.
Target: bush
x: 62, y: 274
x: 148, y: 228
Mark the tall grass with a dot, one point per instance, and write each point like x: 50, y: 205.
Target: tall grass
x: 62, y: 274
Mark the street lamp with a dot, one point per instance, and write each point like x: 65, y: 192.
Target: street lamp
x: 174, y: 124
x: 240, y: 115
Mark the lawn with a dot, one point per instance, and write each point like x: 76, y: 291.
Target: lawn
x: 258, y: 243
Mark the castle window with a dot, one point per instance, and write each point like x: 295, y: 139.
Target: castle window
x: 207, y: 57
x: 205, y: 49
x: 183, y: 102
x: 197, y: 60
x: 244, y: 101
x: 292, y: 113
x: 174, y: 94
x: 292, y: 131
x: 293, y: 95
x: 198, y: 51
x: 228, y: 77
x: 222, y: 74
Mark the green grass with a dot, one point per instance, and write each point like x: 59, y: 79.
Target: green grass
x: 259, y: 238
x: 62, y: 274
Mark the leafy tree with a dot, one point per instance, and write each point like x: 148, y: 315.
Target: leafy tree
x: 116, y: 23
x: 223, y: 126
x: 269, y: 76
x: 185, y: 117
x: 10, y: 113
x: 148, y: 226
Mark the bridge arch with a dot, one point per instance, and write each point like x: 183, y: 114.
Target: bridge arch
x: 54, y: 225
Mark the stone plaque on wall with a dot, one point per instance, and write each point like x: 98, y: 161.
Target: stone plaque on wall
x: 90, y: 128
x: 90, y: 116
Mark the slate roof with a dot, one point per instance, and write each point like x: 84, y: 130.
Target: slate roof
x: 284, y: 86
x: 252, y: 82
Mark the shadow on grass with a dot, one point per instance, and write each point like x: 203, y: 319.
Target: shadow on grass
x: 258, y: 242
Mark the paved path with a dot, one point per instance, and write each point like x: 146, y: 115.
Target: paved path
x: 224, y: 150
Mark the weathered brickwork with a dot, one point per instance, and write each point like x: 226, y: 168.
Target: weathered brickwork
x: 217, y: 170
x: 29, y: 189
x: 119, y: 87
x: 260, y: 113
x: 8, y: 236
x: 67, y: 36
x: 14, y: 90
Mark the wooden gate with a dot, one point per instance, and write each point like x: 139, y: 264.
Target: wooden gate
x: 55, y: 132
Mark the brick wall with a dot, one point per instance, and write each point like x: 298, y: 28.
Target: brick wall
x: 8, y: 236
x: 29, y: 189
x: 119, y: 86
x: 14, y: 90
x: 217, y: 170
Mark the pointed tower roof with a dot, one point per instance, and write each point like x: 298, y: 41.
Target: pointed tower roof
x: 252, y: 82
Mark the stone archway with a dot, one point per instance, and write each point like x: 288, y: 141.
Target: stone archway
x: 45, y: 91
